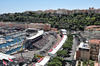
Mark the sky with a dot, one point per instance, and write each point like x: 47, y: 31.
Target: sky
x: 12, y: 6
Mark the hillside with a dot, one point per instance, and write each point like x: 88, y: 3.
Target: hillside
x: 72, y: 21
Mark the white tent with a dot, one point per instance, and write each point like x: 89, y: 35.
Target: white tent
x: 53, y: 52
x: 43, y: 62
x: 5, y: 56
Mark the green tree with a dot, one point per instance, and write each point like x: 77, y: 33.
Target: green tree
x: 67, y: 46
x: 54, y: 64
x: 62, y: 53
x: 58, y: 58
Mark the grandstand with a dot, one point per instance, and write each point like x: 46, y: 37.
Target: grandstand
x: 40, y: 43
x: 53, y: 51
x: 32, y: 39
x: 42, y: 61
x: 39, y: 40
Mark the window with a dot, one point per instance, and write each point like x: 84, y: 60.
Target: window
x: 98, y: 45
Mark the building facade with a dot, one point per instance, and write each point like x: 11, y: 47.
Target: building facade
x: 93, y: 28
x: 88, y: 51
x: 65, y: 11
x: 83, y: 51
x: 45, y: 26
x: 94, y: 49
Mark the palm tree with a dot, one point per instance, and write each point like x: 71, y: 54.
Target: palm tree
x: 87, y: 62
x: 84, y: 61
x: 92, y: 63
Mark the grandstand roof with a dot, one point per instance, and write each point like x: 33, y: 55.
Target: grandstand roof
x: 40, y: 32
x: 63, y: 30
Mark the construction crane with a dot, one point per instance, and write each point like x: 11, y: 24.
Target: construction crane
x: 21, y: 49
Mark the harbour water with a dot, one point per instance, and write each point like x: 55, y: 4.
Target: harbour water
x: 15, y: 40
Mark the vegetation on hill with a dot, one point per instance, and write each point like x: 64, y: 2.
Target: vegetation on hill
x: 72, y: 21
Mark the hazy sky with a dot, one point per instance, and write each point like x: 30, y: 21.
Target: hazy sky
x: 11, y: 6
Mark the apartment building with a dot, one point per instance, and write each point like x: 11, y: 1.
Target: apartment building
x: 75, y: 11
x: 94, y: 49
x: 40, y: 26
x: 88, y: 51
x: 99, y: 58
x: 50, y: 11
x: 45, y: 26
x: 93, y: 28
x: 61, y: 11
x: 65, y: 11
x: 39, y: 11
x: 83, y: 51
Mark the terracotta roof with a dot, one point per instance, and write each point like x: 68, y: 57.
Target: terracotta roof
x: 98, y: 29
x: 91, y: 26
x: 49, y: 10
x: 94, y: 41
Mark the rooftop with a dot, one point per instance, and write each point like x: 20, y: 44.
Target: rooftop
x: 63, y: 30
x: 94, y: 41
x: 92, y: 26
x: 84, y: 45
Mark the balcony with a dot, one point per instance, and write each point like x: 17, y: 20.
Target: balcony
x: 94, y: 53
x: 94, y: 50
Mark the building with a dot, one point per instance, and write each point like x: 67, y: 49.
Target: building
x: 75, y: 11
x: 88, y: 51
x: 93, y: 28
x: 49, y: 11
x: 93, y: 41
x: 94, y: 49
x: 54, y: 29
x: 65, y: 11
x: 61, y: 11
x: 83, y: 51
x: 63, y: 31
x: 45, y: 26
x: 99, y: 58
